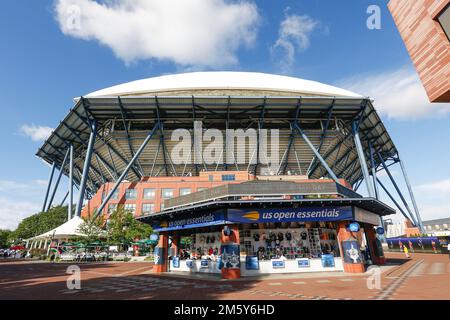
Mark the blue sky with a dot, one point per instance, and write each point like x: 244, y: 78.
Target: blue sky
x: 44, y: 65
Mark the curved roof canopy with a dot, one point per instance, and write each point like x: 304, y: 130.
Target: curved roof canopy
x: 126, y: 113
x: 251, y: 81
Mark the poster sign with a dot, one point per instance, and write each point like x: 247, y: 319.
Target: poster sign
x: 230, y: 256
x: 303, y: 263
x: 159, y: 256
x: 351, y: 250
x: 176, y: 262
x: 251, y: 263
x: 327, y: 261
x: 277, y: 263
x: 290, y: 214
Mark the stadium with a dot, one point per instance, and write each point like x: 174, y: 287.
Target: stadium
x: 239, y: 173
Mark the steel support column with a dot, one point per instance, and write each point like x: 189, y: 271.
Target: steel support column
x: 394, y: 201
x: 87, y: 164
x: 125, y: 172
x: 50, y: 178
x: 374, y: 170
x: 317, y: 154
x: 70, y: 206
x: 362, y: 159
x: 413, y: 199
x: 58, y: 180
x: 397, y: 188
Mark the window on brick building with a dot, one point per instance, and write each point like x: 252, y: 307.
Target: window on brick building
x: 130, y: 194
x: 130, y: 207
x: 444, y: 20
x: 185, y: 191
x: 149, y: 193
x: 167, y: 193
x: 148, y: 208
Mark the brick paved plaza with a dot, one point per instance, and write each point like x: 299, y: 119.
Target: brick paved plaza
x: 425, y: 276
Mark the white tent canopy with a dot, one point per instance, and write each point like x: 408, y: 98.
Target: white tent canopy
x: 66, y: 230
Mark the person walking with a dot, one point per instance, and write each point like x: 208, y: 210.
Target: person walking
x: 406, y: 251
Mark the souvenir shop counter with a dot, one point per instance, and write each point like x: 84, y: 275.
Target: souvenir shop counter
x: 201, y: 266
x: 251, y: 266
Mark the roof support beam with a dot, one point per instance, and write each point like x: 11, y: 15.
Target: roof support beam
x: 123, y: 114
x: 311, y: 146
x: 61, y: 171
x: 395, y: 202
x: 291, y: 136
x: 260, y: 127
x: 87, y: 163
x: 80, y: 155
x: 411, y: 194
x: 362, y: 160
x: 397, y: 188
x: 161, y: 136
x: 49, y: 183
x: 125, y: 172
x: 374, y: 170
x: 70, y: 206
x: 324, y: 133
x: 108, y: 145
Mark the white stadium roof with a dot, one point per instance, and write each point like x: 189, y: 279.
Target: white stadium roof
x: 223, y: 80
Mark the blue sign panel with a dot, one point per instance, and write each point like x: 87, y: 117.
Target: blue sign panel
x: 354, y: 227
x: 154, y: 237
x: 327, y: 261
x: 251, y: 263
x: 191, y: 221
x: 303, y: 262
x: 380, y: 231
x: 290, y: 214
x: 189, y: 264
x: 204, y: 263
x: 176, y: 262
x: 276, y: 264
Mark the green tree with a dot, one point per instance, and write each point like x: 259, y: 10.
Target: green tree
x: 40, y: 223
x: 124, y: 228
x: 92, y: 228
x: 5, y: 236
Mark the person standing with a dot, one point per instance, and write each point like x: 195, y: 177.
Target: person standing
x: 406, y: 251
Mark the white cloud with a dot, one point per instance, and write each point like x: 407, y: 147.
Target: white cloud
x: 439, y: 189
x: 36, y: 133
x: 196, y: 32
x: 293, y: 35
x: 398, y: 94
x: 19, y: 200
x: 12, y: 212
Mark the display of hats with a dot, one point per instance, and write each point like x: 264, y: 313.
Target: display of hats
x: 280, y: 236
